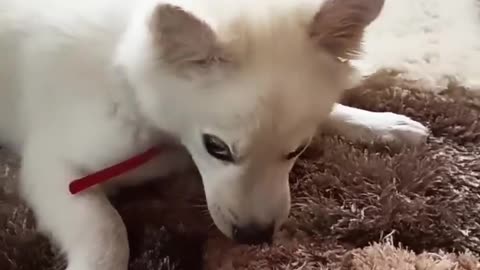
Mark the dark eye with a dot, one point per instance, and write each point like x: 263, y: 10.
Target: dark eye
x: 217, y: 148
x: 296, y: 152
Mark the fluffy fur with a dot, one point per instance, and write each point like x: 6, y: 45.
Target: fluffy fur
x: 85, y: 84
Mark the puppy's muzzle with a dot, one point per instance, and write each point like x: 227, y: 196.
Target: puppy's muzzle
x: 253, y: 234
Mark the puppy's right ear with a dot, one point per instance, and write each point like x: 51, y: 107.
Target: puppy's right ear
x: 182, y: 38
x: 339, y: 25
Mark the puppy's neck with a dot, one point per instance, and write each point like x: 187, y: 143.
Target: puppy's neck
x: 128, y: 110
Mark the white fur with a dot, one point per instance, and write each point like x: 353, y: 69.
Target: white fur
x: 81, y: 88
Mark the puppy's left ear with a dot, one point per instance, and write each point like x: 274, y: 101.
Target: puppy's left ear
x: 339, y: 25
x: 182, y: 38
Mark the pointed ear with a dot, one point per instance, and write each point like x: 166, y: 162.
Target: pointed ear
x: 182, y: 38
x: 339, y: 25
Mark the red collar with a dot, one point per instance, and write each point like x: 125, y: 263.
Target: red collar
x: 108, y: 173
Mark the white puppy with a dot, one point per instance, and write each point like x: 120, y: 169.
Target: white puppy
x: 238, y: 86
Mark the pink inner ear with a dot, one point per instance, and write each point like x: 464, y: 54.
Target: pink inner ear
x: 339, y: 25
x: 181, y: 36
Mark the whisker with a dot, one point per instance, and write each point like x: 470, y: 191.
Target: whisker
x: 199, y: 205
x: 205, y: 213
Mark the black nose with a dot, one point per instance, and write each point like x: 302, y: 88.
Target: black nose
x: 253, y: 234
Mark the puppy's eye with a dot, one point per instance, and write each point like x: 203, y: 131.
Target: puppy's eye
x: 207, y: 61
x: 296, y: 152
x: 217, y: 148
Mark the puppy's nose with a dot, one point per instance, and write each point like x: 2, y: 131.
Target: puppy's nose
x: 253, y: 234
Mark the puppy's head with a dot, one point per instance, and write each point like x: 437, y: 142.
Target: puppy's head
x: 245, y: 93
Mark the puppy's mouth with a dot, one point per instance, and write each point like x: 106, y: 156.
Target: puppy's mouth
x: 249, y: 233
x: 253, y: 234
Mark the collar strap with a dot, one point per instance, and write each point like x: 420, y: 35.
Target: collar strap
x: 106, y: 174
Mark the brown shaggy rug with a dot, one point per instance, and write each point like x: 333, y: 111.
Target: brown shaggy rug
x: 354, y: 206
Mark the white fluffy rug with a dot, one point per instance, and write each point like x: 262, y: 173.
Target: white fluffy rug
x: 435, y: 41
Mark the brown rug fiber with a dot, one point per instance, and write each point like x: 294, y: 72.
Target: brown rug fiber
x: 354, y: 206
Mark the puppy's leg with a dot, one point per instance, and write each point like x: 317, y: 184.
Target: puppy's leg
x: 85, y: 226
x: 366, y: 126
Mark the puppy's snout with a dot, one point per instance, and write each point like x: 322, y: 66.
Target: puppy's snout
x: 253, y: 234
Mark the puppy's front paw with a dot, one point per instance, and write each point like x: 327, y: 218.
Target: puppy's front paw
x: 366, y: 126
x: 395, y: 128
